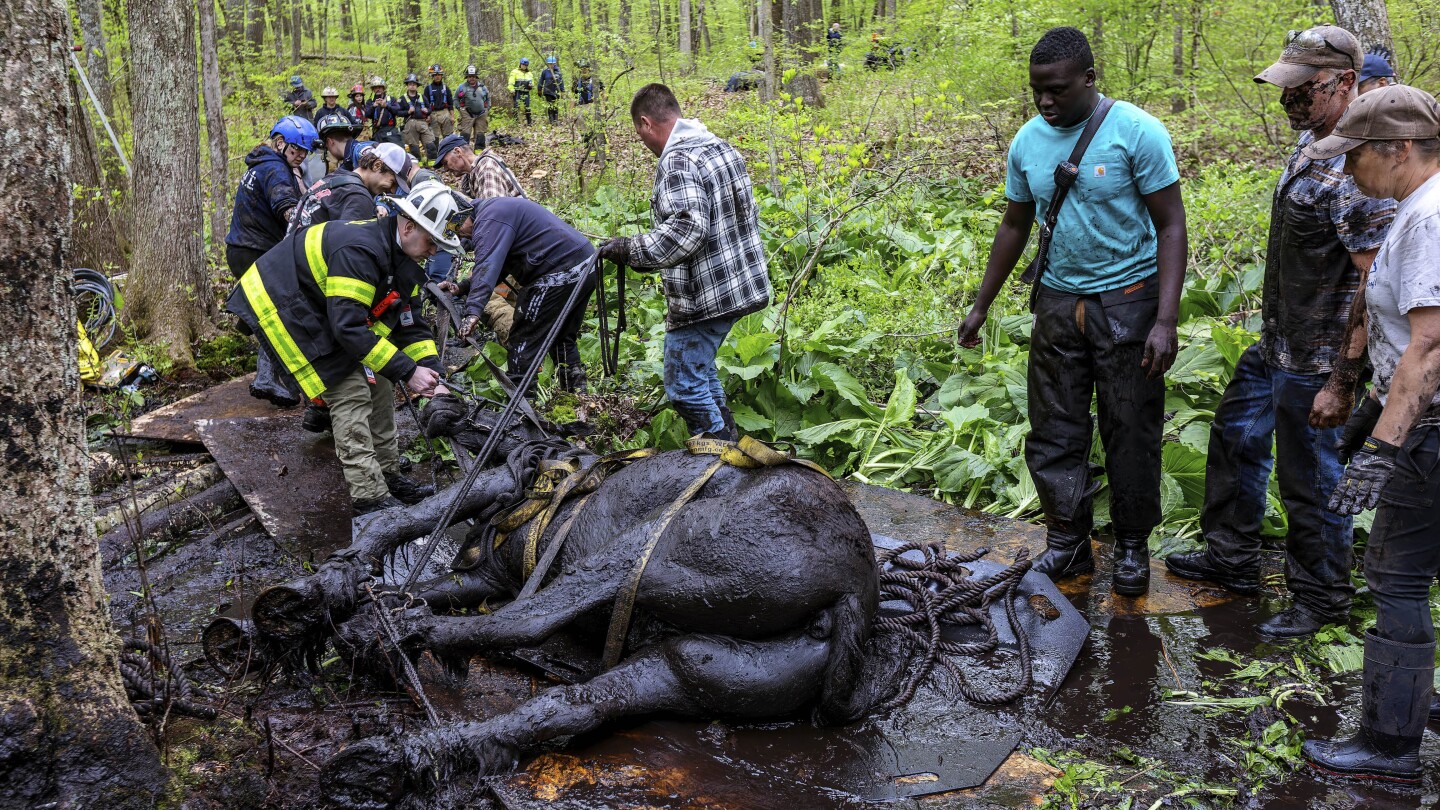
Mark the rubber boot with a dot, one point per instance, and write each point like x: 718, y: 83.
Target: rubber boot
x: 1131, y: 576
x: 1067, y: 552
x: 1395, y: 704
x: 431, y: 150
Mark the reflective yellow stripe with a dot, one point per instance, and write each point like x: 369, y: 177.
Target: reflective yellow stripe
x: 380, y: 328
x: 352, y: 288
x: 415, y: 293
x: 421, y: 350
x: 314, y: 256
x: 276, y: 334
x: 377, y: 357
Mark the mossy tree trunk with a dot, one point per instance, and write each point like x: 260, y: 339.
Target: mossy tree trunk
x: 168, y: 298
x: 68, y: 736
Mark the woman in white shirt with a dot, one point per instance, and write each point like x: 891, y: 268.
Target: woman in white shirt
x: 1391, y: 139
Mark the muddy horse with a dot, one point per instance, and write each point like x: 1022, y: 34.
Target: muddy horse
x: 726, y: 583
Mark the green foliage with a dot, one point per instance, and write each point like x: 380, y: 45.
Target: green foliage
x: 861, y: 372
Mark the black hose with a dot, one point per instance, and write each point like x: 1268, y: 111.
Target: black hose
x: 95, y: 304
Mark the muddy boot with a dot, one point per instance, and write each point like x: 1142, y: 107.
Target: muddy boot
x: 1395, y: 703
x: 573, y: 379
x: 431, y: 150
x: 1067, y: 553
x: 1131, y: 576
x: 366, y: 506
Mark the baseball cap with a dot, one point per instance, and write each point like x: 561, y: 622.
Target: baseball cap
x: 1395, y: 113
x: 394, y: 159
x: 1376, y: 67
x: 447, y: 145
x: 1310, y: 51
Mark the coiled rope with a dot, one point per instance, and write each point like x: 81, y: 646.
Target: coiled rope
x: 939, y: 590
x: 152, y: 692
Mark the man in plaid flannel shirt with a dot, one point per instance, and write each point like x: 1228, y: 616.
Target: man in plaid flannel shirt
x: 706, y: 245
x: 484, y: 176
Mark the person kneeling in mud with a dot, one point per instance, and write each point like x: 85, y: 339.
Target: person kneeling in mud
x: 521, y: 238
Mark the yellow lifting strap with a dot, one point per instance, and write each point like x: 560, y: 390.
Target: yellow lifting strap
x: 748, y: 454
x: 555, y: 482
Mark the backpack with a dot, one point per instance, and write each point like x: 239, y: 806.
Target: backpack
x: 304, y: 211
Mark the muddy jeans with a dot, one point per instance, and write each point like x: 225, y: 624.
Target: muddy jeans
x: 1262, y: 403
x: 691, y: 381
x: 1403, y: 555
x: 362, y: 417
x: 1084, y: 345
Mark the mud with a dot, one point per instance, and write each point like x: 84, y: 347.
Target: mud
x: 1112, y: 709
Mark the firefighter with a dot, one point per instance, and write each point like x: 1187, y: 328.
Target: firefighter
x: 416, y: 127
x: 441, y: 102
x: 552, y: 87
x: 383, y: 113
x: 522, y: 81
x: 336, y: 306
x: 472, y: 98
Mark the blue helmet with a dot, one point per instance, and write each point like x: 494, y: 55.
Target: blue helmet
x: 524, y: 60
x: 296, y: 81
x: 550, y: 60
x: 296, y: 131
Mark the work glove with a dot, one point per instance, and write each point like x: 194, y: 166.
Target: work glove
x: 467, y: 326
x: 616, y: 249
x: 1360, y: 425
x: 1365, y: 478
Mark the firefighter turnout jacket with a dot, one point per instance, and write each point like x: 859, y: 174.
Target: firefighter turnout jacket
x: 334, y: 296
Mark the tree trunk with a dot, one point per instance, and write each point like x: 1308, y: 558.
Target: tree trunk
x: 68, y: 736
x: 345, y: 22
x: 767, y: 39
x: 297, y: 33
x: 168, y: 298
x: 214, y: 129
x: 411, y: 34
x: 1178, y: 101
x: 255, y: 23
x: 92, y: 31
x: 1097, y: 43
x: 1366, y: 19
x: 687, y: 47
x: 702, y: 27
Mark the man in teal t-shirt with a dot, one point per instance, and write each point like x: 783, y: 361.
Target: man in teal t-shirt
x: 1105, y: 312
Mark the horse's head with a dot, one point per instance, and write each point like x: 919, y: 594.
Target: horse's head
x: 450, y: 417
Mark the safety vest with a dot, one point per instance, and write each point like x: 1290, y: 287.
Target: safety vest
x: 334, y: 296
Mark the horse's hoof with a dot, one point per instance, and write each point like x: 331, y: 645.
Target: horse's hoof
x: 369, y: 775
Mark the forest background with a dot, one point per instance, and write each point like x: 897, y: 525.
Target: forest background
x: 879, y: 189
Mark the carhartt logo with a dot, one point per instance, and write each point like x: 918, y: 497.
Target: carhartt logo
x: 1100, y: 171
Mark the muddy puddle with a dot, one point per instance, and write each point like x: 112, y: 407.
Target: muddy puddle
x: 1117, y: 709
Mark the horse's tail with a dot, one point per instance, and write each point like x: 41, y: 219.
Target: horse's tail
x: 849, y: 632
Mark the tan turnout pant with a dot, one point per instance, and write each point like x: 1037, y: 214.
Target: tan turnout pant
x: 441, y: 123
x: 362, y: 419
x: 418, y: 136
x: 473, y: 126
